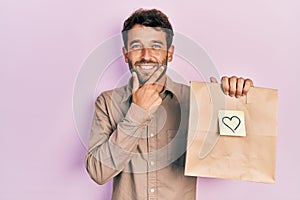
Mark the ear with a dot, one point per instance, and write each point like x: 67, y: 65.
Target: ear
x: 170, y: 53
x: 125, y: 54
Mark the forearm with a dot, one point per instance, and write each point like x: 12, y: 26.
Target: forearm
x: 110, y: 154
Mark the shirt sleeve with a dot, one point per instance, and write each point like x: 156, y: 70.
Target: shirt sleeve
x: 110, y: 149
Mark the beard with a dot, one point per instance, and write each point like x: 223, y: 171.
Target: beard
x: 145, y: 74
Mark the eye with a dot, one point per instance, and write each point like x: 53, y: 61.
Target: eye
x: 136, y: 47
x: 156, y: 46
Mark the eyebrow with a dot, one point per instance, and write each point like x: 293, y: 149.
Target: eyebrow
x: 134, y: 41
x: 157, y: 41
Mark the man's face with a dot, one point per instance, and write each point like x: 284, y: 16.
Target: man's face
x: 147, y: 51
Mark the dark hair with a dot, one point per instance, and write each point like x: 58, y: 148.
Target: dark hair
x: 150, y: 18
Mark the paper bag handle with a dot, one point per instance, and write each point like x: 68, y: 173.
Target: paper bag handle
x: 217, y: 96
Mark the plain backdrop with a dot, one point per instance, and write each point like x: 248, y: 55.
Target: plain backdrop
x: 43, y: 44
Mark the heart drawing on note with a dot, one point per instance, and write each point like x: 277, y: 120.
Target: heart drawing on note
x: 231, y: 122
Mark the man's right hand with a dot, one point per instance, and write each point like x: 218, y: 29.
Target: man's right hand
x: 147, y: 96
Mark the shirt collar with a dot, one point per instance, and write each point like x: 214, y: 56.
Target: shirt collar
x: 169, y: 86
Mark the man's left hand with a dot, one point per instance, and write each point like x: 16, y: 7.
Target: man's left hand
x: 234, y: 86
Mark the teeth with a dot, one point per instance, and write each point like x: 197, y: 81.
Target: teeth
x: 146, y: 66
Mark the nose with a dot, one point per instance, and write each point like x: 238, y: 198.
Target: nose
x: 146, y: 53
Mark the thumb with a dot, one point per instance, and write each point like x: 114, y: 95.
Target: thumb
x: 213, y: 80
x: 135, y: 82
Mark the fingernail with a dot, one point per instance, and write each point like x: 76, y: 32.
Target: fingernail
x: 238, y: 96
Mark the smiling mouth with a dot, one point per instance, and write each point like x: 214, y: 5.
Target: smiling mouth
x: 147, y: 67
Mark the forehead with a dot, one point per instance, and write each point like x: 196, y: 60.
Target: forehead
x: 146, y: 34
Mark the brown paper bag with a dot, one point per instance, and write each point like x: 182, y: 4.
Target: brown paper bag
x: 210, y: 154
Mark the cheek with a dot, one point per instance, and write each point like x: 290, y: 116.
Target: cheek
x: 160, y: 55
x: 133, y: 56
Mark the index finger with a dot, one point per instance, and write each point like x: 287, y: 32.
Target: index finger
x: 225, y: 84
x: 156, y: 75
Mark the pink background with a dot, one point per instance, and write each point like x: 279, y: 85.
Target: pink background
x: 43, y: 44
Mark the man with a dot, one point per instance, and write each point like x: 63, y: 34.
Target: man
x: 134, y: 126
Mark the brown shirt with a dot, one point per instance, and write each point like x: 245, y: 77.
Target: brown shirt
x: 143, y: 152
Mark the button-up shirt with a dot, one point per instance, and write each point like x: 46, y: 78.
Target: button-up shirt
x: 144, y: 152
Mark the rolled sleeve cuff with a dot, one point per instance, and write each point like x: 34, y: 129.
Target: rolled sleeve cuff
x: 137, y: 114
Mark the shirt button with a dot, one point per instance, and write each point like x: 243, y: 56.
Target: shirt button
x: 152, y: 190
x: 151, y: 134
x: 152, y: 162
